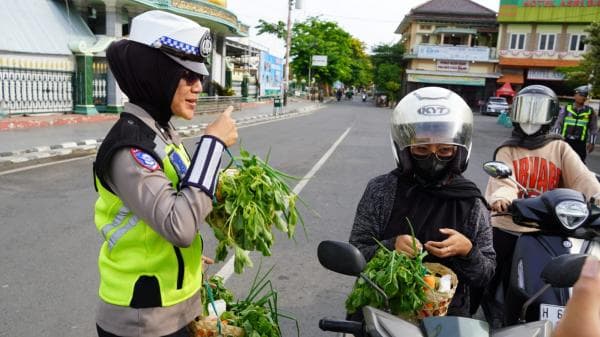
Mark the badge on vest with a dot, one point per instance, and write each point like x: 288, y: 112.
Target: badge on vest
x: 178, y: 163
x: 145, y: 160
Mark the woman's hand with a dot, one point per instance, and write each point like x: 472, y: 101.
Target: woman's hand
x: 455, y: 245
x: 404, y: 244
x: 223, y: 128
x: 500, y: 205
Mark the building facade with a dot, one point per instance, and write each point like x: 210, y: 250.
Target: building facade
x: 452, y: 44
x: 52, y: 55
x: 536, y: 37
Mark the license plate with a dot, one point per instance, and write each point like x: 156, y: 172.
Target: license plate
x: 552, y: 313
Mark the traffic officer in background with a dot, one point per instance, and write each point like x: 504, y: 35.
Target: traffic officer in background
x: 578, y: 123
x: 152, y: 195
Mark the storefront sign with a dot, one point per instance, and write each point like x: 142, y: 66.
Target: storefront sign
x: 453, y: 53
x: 439, y: 79
x: 545, y: 74
x: 447, y: 65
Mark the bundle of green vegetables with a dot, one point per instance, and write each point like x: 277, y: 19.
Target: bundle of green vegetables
x: 252, y: 198
x: 257, y: 313
x: 400, y: 277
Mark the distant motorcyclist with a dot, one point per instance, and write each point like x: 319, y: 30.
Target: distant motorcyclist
x: 578, y: 123
x: 541, y: 161
x: 339, y: 93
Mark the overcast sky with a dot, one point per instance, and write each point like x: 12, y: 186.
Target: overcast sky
x: 371, y: 21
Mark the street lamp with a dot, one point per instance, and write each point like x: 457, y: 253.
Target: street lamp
x: 286, y: 68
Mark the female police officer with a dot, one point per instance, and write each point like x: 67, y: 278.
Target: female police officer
x: 152, y: 195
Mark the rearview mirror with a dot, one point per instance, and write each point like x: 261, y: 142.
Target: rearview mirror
x: 497, y: 169
x: 341, y: 257
x: 563, y: 271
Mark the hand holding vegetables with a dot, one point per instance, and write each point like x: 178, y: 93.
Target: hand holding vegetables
x: 455, y: 245
x: 404, y: 244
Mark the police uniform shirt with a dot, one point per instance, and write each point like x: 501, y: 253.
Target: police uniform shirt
x: 175, y: 215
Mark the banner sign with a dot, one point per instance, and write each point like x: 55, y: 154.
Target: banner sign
x: 447, y: 65
x: 453, y: 53
x: 270, y: 74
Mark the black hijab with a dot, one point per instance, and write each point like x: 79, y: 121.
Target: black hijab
x: 148, y: 77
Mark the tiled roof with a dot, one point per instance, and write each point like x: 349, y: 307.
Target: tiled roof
x: 463, y: 7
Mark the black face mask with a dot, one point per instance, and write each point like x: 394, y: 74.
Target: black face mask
x: 430, y: 168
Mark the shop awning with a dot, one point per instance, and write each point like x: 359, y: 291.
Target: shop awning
x: 511, y: 78
x: 505, y: 90
x: 454, y: 30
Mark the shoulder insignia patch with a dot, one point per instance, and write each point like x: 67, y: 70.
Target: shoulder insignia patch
x: 178, y: 163
x: 144, y: 159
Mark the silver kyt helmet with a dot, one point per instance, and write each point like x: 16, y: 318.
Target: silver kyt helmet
x: 534, y: 107
x: 428, y: 116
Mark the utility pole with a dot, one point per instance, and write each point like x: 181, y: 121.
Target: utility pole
x: 288, y: 41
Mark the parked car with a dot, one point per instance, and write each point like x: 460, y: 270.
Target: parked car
x: 495, y: 105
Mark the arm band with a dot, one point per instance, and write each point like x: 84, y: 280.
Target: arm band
x: 204, y: 168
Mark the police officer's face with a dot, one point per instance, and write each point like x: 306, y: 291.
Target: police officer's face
x: 580, y: 99
x: 186, y: 95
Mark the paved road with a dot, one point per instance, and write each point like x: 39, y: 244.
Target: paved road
x: 49, y: 245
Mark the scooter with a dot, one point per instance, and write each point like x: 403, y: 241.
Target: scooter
x: 344, y: 258
x: 338, y: 95
x: 567, y: 223
x: 364, y: 96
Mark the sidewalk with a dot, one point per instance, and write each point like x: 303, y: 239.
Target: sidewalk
x: 39, y: 137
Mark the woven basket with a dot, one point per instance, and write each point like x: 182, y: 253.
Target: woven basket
x: 207, y: 327
x: 437, y: 303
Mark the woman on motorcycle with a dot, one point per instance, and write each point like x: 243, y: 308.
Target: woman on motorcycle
x: 541, y: 161
x: 431, y: 137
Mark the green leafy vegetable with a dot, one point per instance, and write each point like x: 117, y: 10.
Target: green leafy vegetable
x: 252, y: 199
x: 400, y: 277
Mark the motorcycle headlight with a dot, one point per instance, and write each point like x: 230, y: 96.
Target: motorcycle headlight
x: 571, y: 213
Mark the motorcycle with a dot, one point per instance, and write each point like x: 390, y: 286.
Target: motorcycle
x: 338, y: 95
x: 344, y: 258
x: 364, y: 96
x: 567, y: 224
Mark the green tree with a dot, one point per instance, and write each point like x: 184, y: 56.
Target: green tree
x: 346, y: 58
x: 388, y: 61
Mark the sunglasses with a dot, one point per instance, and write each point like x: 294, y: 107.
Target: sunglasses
x: 191, y: 77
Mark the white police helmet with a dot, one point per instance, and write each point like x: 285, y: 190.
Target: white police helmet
x: 432, y: 115
x: 183, y: 40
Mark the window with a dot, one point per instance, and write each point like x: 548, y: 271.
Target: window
x: 577, y: 42
x: 425, y: 38
x: 546, y: 42
x: 517, y: 42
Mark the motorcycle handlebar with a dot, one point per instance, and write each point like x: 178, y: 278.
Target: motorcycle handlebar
x: 335, y: 325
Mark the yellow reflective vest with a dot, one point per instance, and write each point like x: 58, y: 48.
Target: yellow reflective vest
x: 134, y: 256
x: 575, y: 125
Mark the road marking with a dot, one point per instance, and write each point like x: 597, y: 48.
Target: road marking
x: 227, y: 270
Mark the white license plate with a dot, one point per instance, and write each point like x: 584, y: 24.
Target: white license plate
x: 552, y: 313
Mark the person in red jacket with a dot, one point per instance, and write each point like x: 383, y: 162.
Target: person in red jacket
x: 541, y: 161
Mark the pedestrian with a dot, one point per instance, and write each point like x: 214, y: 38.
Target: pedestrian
x: 431, y: 135
x: 578, y: 123
x: 541, y: 161
x: 152, y: 195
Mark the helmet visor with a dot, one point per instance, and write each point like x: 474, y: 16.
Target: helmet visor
x: 432, y: 133
x: 533, y: 109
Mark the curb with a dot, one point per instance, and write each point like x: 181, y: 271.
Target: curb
x: 45, y: 153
